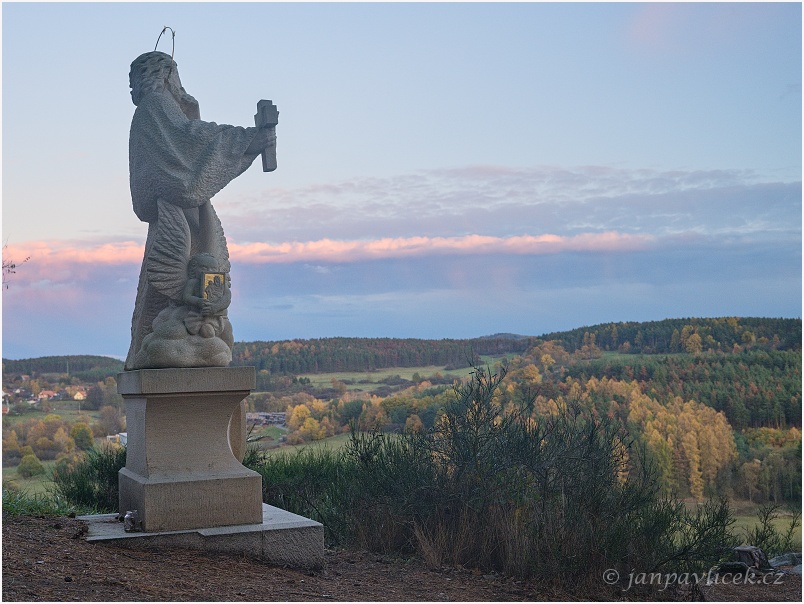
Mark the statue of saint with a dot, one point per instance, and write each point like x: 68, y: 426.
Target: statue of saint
x: 177, y: 163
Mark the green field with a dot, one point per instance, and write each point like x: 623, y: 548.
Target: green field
x: 746, y: 519
x: 333, y: 442
x: 34, y: 485
x: 266, y: 437
x: 366, y: 381
x: 68, y: 410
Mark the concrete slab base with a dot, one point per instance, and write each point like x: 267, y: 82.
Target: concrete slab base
x: 282, y: 538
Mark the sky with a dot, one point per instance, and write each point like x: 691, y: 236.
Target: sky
x: 445, y: 170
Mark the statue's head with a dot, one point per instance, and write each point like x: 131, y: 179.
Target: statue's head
x: 154, y: 71
x: 149, y: 72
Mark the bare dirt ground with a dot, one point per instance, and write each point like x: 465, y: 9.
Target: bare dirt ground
x: 47, y: 559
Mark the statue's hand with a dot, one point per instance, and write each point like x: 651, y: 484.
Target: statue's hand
x: 265, y: 137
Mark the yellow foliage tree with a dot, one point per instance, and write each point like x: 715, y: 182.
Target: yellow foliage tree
x: 692, y: 453
x: 63, y: 442
x: 311, y: 430
x: 297, y: 416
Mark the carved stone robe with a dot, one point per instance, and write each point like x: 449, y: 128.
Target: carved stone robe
x: 176, y: 165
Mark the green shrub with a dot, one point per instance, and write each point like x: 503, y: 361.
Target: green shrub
x: 81, y: 433
x: 92, y: 481
x: 768, y: 538
x: 30, y: 466
x: 312, y: 482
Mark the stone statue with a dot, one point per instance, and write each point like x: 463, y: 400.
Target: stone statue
x: 177, y: 163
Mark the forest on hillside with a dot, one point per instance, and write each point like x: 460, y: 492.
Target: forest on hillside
x: 87, y: 368
x: 753, y: 388
x: 721, y: 420
x: 714, y: 403
x: 326, y: 355
x: 685, y: 335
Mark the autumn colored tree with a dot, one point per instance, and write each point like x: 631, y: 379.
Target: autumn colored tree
x: 414, y: 424
x: 11, y: 446
x: 81, y: 433
x: 297, y: 415
x: 374, y: 416
x: 111, y: 421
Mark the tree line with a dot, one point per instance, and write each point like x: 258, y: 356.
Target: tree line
x: 90, y: 368
x: 685, y: 335
x: 327, y: 355
x: 692, y: 335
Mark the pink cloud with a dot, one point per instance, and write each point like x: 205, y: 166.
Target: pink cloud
x: 328, y: 250
x: 48, y: 252
x: 55, y: 261
x: 63, y: 261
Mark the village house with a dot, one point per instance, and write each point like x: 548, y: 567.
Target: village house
x: 120, y: 438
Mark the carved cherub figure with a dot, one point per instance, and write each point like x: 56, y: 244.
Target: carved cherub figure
x: 207, y: 287
x: 207, y: 293
x: 194, y: 329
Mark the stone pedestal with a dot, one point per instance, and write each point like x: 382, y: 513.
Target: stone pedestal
x: 281, y: 538
x: 181, y: 472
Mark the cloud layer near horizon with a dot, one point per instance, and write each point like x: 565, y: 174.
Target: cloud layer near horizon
x: 447, y: 253
x: 54, y: 258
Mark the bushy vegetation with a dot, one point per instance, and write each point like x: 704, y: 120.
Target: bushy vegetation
x: 768, y: 538
x: 91, y: 480
x: 30, y: 466
x: 488, y: 487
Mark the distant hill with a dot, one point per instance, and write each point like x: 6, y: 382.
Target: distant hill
x: 89, y: 368
x: 504, y: 336
x: 653, y: 337
x: 668, y: 336
x: 367, y: 354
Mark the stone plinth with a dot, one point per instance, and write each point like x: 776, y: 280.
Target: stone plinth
x: 280, y: 538
x: 181, y: 472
